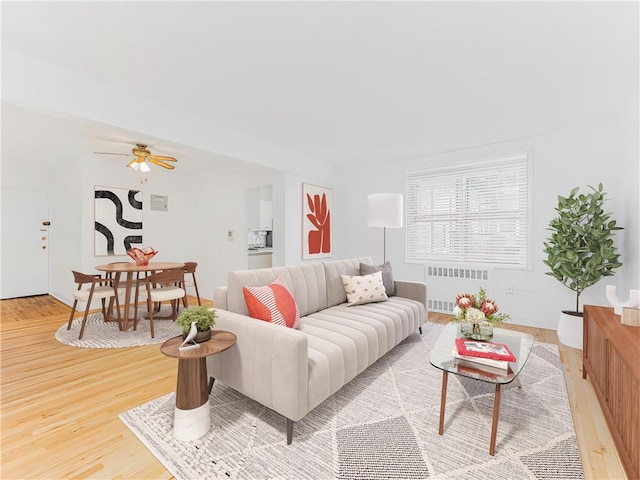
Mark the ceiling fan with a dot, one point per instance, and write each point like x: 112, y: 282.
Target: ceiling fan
x: 142, y: 157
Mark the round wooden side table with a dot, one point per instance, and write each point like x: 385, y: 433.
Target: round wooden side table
x: 192, y: 419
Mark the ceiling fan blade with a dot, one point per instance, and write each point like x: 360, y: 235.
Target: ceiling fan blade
x: 153, y: 159
x: 162, y: 157
x: 111, y: 153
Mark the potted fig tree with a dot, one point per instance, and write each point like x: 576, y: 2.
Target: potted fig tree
x: 580, y: 252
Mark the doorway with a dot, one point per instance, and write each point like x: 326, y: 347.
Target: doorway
x: 24, y: 243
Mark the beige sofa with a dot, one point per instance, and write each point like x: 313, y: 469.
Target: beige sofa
x: 293, y: 371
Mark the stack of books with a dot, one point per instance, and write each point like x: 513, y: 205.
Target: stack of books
x: 495, y: 355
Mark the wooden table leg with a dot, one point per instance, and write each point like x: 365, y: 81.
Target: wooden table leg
x: 494, y: 422
x: 110, y: 317
x: 443, y: 400
x: 127, y: 301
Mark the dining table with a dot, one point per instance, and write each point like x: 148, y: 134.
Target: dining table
x: 131, y: 268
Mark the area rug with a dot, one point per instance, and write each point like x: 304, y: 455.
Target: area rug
x: 383, y: 425
x: 101, y: 334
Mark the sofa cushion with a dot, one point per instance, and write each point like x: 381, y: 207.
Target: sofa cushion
x: 392, y: 320
x: 273, y: 303
x: 306, y: 283
x: 364, y: 289
x: 407, y: 315
x: 333, y: 271
x: 344, y: 341
x: 376, y: 337
x: 387, y: 275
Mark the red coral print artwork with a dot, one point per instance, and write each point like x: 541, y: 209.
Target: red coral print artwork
x: 319, y: 240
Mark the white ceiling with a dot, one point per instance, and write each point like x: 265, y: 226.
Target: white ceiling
x: 338, y: 81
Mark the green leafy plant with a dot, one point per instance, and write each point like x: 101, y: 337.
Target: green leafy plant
x: 580, y: 251
x: 204, y: 317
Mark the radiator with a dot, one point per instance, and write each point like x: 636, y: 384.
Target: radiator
x: 445, y: 282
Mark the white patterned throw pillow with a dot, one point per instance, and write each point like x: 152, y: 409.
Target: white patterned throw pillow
x: 364, y: 289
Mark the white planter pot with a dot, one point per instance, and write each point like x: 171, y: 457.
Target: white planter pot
x: 570, y: 330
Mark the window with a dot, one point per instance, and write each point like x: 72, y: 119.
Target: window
x: 470, y: 213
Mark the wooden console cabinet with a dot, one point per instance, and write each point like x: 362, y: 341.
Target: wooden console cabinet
x: 611, y: 357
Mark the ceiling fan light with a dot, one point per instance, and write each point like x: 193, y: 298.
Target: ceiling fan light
x: 135, y: 166
x: 144, y: 167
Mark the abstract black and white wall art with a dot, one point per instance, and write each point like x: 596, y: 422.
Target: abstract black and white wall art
x: 118, y: 220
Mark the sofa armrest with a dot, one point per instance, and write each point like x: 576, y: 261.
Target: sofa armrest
x: 413, y: 290
x: 268, y: 363
x: 220, y: 297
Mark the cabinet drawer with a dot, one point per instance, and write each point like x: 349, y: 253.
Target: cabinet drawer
x: 623, y: 402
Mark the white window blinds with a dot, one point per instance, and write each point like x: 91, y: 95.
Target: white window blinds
x: 472, y: 213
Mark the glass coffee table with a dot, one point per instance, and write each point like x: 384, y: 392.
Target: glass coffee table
x: 442, y: 358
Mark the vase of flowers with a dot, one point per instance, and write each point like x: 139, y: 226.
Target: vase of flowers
x: 477, y: 315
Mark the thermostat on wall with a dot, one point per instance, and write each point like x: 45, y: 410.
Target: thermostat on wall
x: 159, y: 202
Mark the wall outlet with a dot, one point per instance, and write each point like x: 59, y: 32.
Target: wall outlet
x: 509, y: 289
x: 231, y: 235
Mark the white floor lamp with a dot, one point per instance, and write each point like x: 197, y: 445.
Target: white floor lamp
x: 385, y: 210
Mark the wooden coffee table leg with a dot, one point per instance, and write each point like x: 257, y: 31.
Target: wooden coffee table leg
x: 494, y: 423
x: 443, y: 400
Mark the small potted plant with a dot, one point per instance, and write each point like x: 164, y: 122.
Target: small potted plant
x: 204, y: 318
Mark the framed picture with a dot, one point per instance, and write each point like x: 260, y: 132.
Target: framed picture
x: 316, y: 221
x: 117, y: 220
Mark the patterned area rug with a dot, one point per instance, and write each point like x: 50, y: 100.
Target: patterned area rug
x: 383, y: 425
x: 101, y: 334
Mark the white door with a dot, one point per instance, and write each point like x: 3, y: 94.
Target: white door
x: 25, y: 243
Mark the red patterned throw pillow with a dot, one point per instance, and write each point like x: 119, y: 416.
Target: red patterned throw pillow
x: 273, y: 303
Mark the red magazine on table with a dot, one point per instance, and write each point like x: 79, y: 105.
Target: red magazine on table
x: 473, y: 348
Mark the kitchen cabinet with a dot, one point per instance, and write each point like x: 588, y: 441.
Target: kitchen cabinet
x: 259, y: 260
x: 259, y: 208
x: 266, y: 215
x: 610, y: 357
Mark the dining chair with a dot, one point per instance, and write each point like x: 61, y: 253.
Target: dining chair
x: 190, y: 268
x: 101, y: 288
x: 160, y: 287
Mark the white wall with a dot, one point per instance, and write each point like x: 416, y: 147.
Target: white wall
x: 291, y: 186
x: 164, y: 231
x: 218, y: 206
x: 45, y: 153
x: 561, y: 160
x: 202, y: 209
x: 48, y: 154
x: 33, y: 83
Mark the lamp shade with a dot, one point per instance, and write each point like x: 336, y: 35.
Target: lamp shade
x: 144, y: 167
x: 385, y: 210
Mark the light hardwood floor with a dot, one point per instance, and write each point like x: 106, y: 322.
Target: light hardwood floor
x: 60, y: 404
